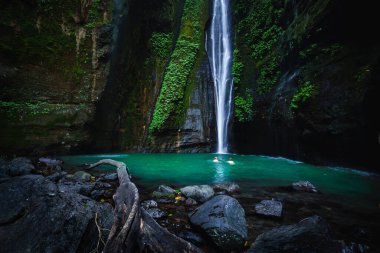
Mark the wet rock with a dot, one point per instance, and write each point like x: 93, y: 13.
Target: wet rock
x: 156, y: 213
x: 97, y: 194
x: 200, y: 193
x: 305, y: 186
x: 149, y: 204
x: 354, y: 248
x: 166, y: 189
x: 81, y: 175
x: 67, y: 186
x: 163, y: 195
x: 17, y: 167
x: 101, y: 185
x: 228, y: 187
x: 191, y: 237
x: 309, y: 235
x: 56, y: 176
x: 43, y: 219
x: 223, y: 219
x: 191, y: 202
x: 51, y: 164
x: 108, y: 177
x: 269, y: 208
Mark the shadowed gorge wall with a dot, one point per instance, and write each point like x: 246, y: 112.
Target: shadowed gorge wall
x: 53, y: 66
x: 323, y: 61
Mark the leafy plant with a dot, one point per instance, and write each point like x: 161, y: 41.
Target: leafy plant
x: 243, y: 107
x: 304, y: 93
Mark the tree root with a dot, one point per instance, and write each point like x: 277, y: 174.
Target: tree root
x: 133, y: 229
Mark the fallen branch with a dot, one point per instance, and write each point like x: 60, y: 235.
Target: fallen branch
x: 133, y: 229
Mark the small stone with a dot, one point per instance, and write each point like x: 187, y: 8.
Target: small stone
x: 109, y: 177
x: 156, y: 213
x: 149, y: 204
x: 97, y: 194
x: 191, y: 202
x: 305, y: 186
x: 200, y: 193
x: 166, y: 189
x: 81, y: 175
x: 269, y: 208
x: 160, y: 195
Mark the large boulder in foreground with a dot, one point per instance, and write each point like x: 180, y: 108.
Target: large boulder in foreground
x: 309, y: 235
x: 200, y: 193
x: 223, y: 219
x: 16, y: 167
x: 35, y: 216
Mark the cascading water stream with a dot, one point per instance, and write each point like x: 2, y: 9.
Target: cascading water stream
x: 219, y: 50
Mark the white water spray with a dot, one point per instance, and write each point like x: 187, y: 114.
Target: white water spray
x: 219, y: 50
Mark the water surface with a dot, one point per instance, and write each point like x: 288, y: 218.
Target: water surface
x: 249, y: 171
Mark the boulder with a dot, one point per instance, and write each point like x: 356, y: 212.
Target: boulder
x: 269, y: 208
x: 228, y: 187
x: 108, y: 177
x: 81, y: 175
x: 200, y: 193
x: 309, y: 235
x: 18, y: 167
x: 305, y: 186
x: 223, y: 220
x: 191, y: 202
x: 43, y: 219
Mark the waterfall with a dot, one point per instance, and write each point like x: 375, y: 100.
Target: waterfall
x: 219, y: 50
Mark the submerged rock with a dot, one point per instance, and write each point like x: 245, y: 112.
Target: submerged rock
x: 223, y: 219
x: 269, y: 208
x: 200, y: 193
x: 36, y: 217
x: 228, y: 187
x: 309, y: 235
x: 305, y: 186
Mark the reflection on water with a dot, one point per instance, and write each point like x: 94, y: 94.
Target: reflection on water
x: 222, y: 169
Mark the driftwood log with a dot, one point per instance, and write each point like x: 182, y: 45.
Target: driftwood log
x: 133, y: 229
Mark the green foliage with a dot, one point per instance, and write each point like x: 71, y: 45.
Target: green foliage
x: 243, y: 107
x: 169, y: 104
x: 363, y: 73
x: 78, y: 73
x: 260, y: 31
x: 94, y: 18
x: 161, y: 44
x: 237, y: 67
x: 304, y: 93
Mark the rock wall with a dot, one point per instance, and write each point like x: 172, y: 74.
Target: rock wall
x: 54, y: 60
x: 311, y: 72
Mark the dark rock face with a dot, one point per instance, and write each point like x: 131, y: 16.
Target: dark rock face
x: 223, y: 219
x: 309, y: 235
x: 269, y: 208
x: 200, y: 193
x: 44, y: 219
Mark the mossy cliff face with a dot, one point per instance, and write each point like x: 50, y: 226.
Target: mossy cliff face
x: 53, y: 67
x: 306, y: 78
x: 155, y: 98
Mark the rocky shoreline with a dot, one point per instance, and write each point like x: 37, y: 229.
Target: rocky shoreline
x: 44, y: 208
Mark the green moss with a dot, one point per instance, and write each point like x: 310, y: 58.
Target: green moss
x: 259, y: 32
x: 161, y: 44
x: 243, y: 110
x: 303, y: 94
x: 237, y: 67
x: 170, y: 103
